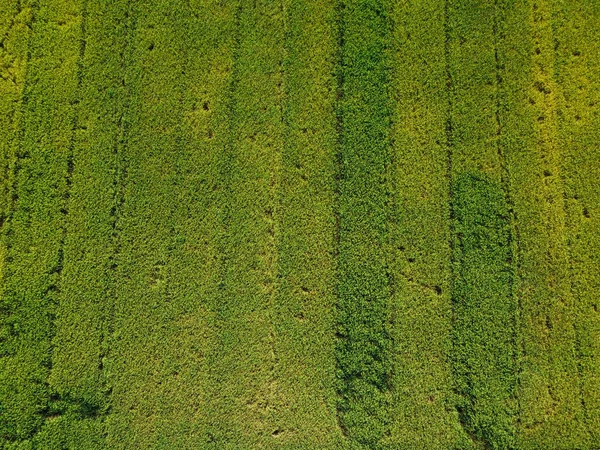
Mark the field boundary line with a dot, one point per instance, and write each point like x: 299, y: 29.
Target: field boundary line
x: 339, y: 19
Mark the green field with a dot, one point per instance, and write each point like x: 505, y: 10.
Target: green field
x: 300, y: 224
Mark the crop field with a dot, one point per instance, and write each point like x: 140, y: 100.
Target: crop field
x: 300, y: 224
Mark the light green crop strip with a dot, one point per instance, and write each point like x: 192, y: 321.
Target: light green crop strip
x: 577, y: 68
x: 422, y: 310
x: 550, y: 414
x: 244, y: 363
x: 36, y: 233
x: 305, y: 303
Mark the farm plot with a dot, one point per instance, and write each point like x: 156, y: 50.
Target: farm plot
x: 331, y: 224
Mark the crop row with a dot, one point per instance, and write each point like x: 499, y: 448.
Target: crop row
x: 421, y: 230
x: 77, y: 380
x: 35, y: 231
x: 577, y: 71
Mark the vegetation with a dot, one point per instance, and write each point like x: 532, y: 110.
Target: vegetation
x: 421, y: 230
x: 330, y: 224
x: 576, y: 70
x: 364, y: 287
x: 34, y: 232
x: 484, y: 311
